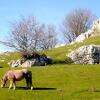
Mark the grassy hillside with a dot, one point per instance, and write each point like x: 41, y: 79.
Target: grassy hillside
x: 58, y: 81
x: 5, y: 58
x: 57, y: 54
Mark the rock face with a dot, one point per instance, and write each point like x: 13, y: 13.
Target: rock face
x: 40, y: 60
x: 59, y: 45
x: 86, y: 55
x: 94, y: 31
x: 14, y: 63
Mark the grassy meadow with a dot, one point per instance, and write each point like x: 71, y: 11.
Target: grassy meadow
x: 58, y: 81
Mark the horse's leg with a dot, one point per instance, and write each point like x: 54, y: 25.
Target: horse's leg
x: 30, y: 82
x: 28, y: 78
x: 11, y: 84
x: 32, y: 87
x: 14, y: 85
x: 27, y: 82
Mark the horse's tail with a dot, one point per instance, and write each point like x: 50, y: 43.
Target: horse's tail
x: 28, y: 78
x: 29, y: 74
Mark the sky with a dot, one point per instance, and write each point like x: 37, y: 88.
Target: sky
x: 45, y: 11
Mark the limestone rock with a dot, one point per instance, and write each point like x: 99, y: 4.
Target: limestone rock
x: 15, y: 63
x: 86, y: 55
x: 94, y: 31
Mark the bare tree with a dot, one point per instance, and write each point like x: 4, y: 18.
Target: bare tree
x: 27, y: 36
x: 23, y: 35
x: 48, y: 36
x: 77, y: 22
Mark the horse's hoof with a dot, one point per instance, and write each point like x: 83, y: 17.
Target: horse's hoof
x: 10, y: 87
x: 31, y: 88
x: 14, y: 89
x: 2, y: 86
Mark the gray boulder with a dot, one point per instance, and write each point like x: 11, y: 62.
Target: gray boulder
x: 28, y: 63
x: 86, y: 55
x: 40, y: 60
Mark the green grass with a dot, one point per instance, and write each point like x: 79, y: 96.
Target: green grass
x: 58, y: 82
x: 8, y: 57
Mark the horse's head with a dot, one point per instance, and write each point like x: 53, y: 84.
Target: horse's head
x: 3, y: 81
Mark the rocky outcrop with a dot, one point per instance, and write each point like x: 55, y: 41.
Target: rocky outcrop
x: 15, y: 63
x: 94, y: 31
x: 86, y: 55
x: 40, y: 60
x: 60, y: 45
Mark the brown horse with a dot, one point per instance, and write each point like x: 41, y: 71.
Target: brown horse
x: 17, y: 75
